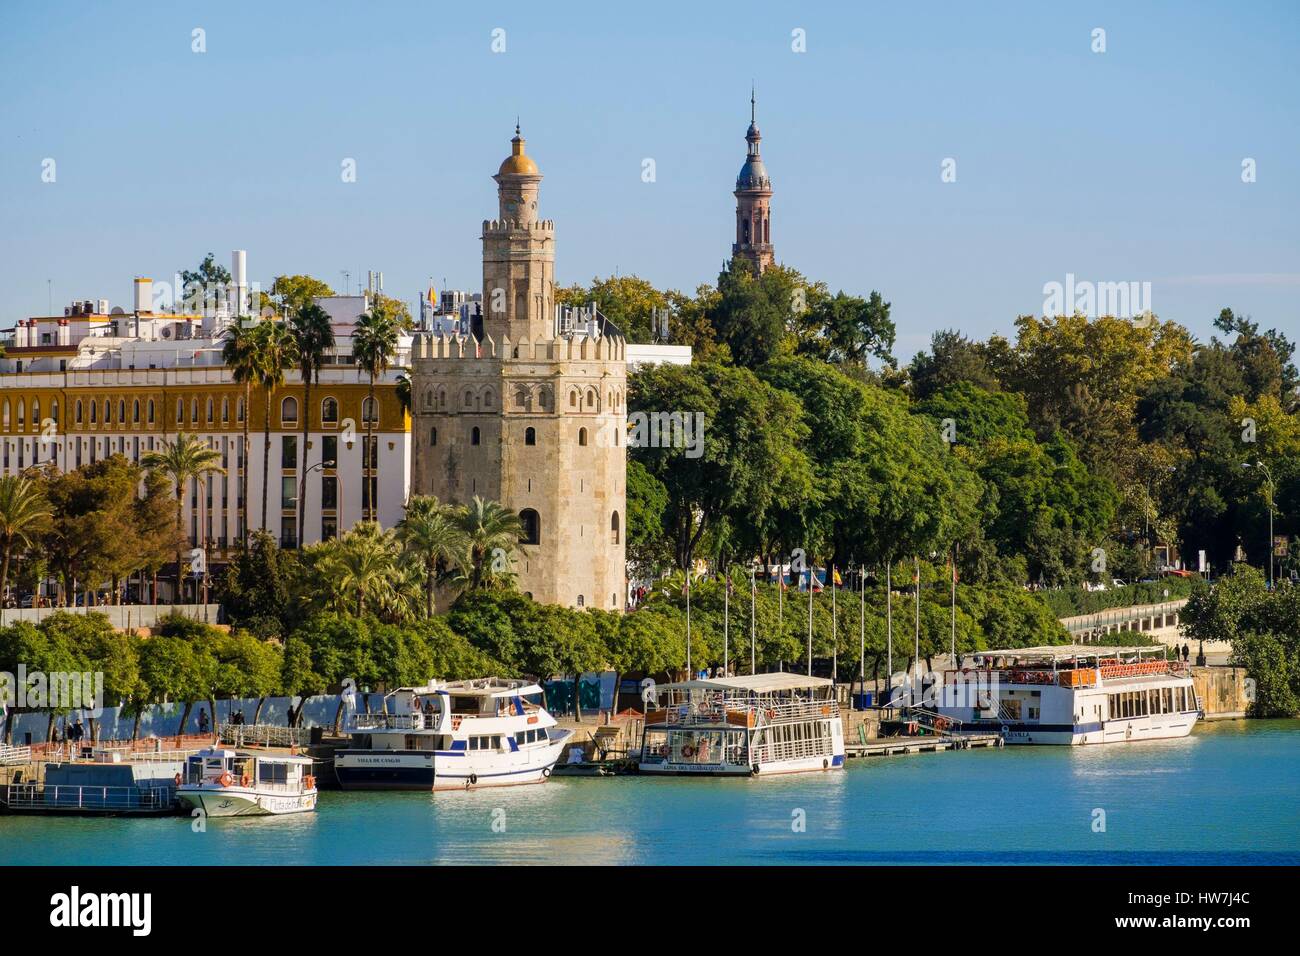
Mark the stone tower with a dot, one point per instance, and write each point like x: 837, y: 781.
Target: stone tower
x: 532, y: 414
x: 753, y: 199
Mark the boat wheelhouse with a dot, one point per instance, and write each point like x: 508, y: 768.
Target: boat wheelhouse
x: 233, y: 783
x: 488, y: 732
x: 741, y: 726
x: 1071, y: 694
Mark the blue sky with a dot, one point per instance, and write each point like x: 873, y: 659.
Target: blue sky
x: 1118, y: 166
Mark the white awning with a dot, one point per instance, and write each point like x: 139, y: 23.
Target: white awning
x: 757, y: 683
x: 1059, y: 652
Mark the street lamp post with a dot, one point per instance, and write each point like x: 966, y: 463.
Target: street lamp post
x: 1268, y: 475
x: 338, y: 497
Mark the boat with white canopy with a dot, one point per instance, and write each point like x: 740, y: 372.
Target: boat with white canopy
x: 755, y: 725
x: 1070, y: 694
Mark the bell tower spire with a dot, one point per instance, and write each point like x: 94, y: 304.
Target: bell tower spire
x: 753, y: 199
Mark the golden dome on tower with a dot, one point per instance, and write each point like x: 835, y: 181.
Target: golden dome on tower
x: 517, y: 163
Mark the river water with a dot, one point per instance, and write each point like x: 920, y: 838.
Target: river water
x: 1228, y: 794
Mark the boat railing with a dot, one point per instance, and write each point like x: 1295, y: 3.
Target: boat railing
x: 1142, y: 668
x: 747, y: 712
x: 40, y: 796
x: 365, y: 722
x: 14, y: 755
x: 264, y: 735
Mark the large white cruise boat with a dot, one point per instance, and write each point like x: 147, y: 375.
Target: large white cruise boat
x: 489, y: 732
x: 740, y: 726
x: 1070, y: 694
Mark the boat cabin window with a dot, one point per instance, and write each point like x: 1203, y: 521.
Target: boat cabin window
x: 272, y: 772
x: 485, y: 743
x: 530, y: 736
x: 464, y: 705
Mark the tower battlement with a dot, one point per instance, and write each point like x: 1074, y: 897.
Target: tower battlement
x: 574, y: 348
x: 540, y: 226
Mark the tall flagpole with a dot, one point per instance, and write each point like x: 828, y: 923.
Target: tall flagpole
x: 954, y: 607
x: 810, y: 586
x: 726, y: 610
x: 835, y: 632
x: 862, y: 631
x: 753, y: 602
x: 889, y: 630
x: 780, y: 603
x: 689, y: 670
x: 916, y: 576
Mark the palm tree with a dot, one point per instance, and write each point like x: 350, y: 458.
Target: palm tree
x: 428, y: 531
x: 239, y: 352
x: 276, y: 352
x: 486, y: 531
x: 374, y: 343
x: 24, y: 510
x: 313, y: 336
x: 180, y: 460
x: 360, y: 566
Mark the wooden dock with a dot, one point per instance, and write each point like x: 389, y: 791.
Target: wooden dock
x: 894, y: 746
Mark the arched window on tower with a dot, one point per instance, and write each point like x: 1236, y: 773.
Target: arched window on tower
x: 475, y: 436
x: 433, y: 437
x: 135, y: 412
x: 613, y: 528
x: 531, y: 527
x: 530, y: 436
x: 288, y: 411
x: 582, y: 436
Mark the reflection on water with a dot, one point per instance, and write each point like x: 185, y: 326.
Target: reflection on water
x: 1224, y: 795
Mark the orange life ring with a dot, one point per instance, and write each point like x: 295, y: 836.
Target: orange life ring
x: 225, y: 779
x: 245, y: 780
x: 771, y: 713
x: 309, y: 782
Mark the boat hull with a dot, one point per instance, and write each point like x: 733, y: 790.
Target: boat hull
x: 806, y: 765
x: 444, y: 770
x: 244, y: 801
x: 1125, y: 730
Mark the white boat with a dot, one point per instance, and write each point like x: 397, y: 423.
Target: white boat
x: 743, y: 726
x: 1071, y: 694
x: 231, y: 783
x: 489, y: 732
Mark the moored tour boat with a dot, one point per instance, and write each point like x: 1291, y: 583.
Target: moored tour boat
x: 755, y: 725
x: 488, y: 732
x: 228, y: 783
x: 1071, y: 694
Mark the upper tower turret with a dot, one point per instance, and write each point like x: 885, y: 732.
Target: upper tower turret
x: 518, y: 255
x: 753, y: 196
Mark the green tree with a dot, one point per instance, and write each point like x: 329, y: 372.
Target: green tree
x: 313, y: 337
x: 180, y: 461
x: 24, y: 514
x: 239, y: 352
x: 297, y: 292
x: 488, y: 535
x: 429, y: 532
x: 374, y: 345
x: 276, y: 352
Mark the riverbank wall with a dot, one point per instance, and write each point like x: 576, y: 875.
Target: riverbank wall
x: 1224, y: 691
